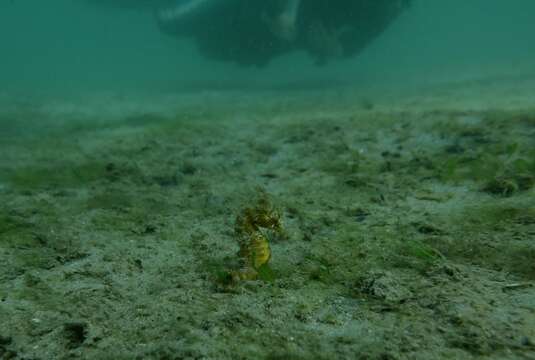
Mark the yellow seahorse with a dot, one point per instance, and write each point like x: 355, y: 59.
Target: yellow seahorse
x: 250, y: 229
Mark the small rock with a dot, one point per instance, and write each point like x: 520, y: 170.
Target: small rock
x: 384, y: 286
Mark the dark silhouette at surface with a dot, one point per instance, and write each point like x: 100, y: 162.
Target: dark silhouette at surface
x: 254, y: 32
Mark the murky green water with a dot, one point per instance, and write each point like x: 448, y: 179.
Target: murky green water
x: 205, y: 196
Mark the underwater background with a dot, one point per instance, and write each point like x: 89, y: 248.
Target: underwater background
x: 76, y: 46
x: 158, y: 204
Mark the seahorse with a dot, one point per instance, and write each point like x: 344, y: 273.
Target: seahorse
x: 250, y: 230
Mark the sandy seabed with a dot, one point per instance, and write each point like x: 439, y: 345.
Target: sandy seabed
x: 409, y: 221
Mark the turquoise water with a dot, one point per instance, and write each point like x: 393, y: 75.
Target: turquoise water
x: 67, y: 45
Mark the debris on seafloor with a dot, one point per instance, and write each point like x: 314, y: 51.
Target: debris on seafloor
x: 517, y: 286
x: 507, y: 186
